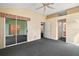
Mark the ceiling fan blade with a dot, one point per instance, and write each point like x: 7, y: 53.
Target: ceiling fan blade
x: 51, y: 3
x: 44, y: 10
x: 43, y: 4
x: 39, y: 7
x: 50, y: 7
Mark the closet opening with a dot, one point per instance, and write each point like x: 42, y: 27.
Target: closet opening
x: 62, y: 30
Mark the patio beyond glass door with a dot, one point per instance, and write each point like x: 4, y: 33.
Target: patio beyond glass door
x: 16, y: 31
x: 10, y: 31
x: 21, y: 30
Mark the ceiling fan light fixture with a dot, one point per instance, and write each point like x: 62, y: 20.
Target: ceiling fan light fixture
x: 45, y: 6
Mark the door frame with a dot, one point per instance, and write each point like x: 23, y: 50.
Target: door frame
x: 42, y: 29
x: 63, y: 22
x: 16, y: 35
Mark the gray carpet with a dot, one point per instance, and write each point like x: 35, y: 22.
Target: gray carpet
x: 42, y: 47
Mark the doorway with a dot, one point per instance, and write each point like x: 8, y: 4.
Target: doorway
x: 42, y: 29
x: 62, y: 30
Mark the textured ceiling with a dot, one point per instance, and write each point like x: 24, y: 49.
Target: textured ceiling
x: 57, y: 7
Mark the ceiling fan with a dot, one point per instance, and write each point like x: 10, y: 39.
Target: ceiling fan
x: 45, y: 6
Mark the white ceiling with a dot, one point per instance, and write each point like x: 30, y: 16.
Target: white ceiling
x: 57, y: 7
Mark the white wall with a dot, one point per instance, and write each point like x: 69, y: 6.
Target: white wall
x: 2, y: 44
x: 47, y: 30
x: 34, y: 25
x: 72, y: 27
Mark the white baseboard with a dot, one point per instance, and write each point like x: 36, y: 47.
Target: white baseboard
x: 76, y: 44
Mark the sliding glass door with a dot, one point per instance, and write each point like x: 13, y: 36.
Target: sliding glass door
x: 21, y: 30
x: 10, y: 31
x: 16, y: 31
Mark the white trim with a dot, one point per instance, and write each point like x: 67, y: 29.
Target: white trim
x: 27, y: 30
x: 57, y: 29
x: 16, y: 31
x: 4, y: 32
x: 76, y: 44
x: 15, y: 38
x: 3, y: 48
x: 16, y: 44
